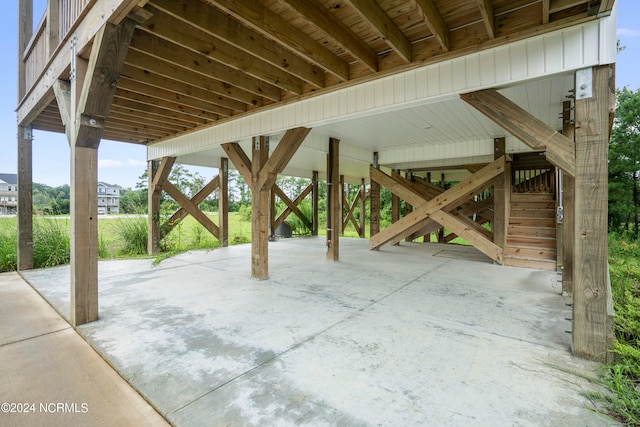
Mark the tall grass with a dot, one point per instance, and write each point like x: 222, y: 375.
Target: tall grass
x: 8, y: 246
x: 623, y: 376
x: 130, y: 236
x: 51, y: 244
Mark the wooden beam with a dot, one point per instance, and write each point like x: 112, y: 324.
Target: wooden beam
x: 386, y: 28
x: 314, y: 203
x: 334, y: 201
x: 319, y: 16
x: 477, y: 239
x: 110, y: 47
x: 239, y: 160
x: 62, y: 89
x: 182, y: 32
x: 164, y: 169
x: 445, y: 201
x: 191, y: 208
x: 501, y: 198
x: 224, y: 27
x: 285, y: 150
x: 292, y: 206
x: 395, y: 204
x: 593, y: 334
x: 259, y: 211
x: 84, y: 235
x: 271, y: 25
x: 488, y: 18
x: 349, y: 216
x: 153, y: 209
x: 363, y: 200
x: 524, y: 126
x: 431, y: 16
x: 190, y: 63
x: 182, y: 213
x: 545, y: 11
x: 223, y: 202
x: 53, y: 26
x: 374, y: 200
x: 568, y: 203
x: 25, y: 198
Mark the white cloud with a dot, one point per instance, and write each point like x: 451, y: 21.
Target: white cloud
x: 628, y: 33
x: 110, y: 163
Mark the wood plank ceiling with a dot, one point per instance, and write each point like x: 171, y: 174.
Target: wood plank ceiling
x: 194, y: 63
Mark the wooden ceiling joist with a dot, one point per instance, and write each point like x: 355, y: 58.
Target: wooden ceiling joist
x: 194, y: 39
x: 223, y: 27
x: 322, y: 18
x: 385, y: 26
x: 182, y: 101
x: 161, y: 103
x: 188, y: 120
x: 434, y: 21
x: 488, y: 18
x: 271, y: 25
x: 197, y: 63
x: 180, y: 88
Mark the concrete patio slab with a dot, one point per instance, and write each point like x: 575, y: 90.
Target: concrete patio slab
x: 49, y: 376
x: 399, y: 336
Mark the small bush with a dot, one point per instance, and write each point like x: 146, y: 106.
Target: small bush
x: 245, y: 213
x: 131, y: 234
x: 51, y: 244
x: 8, y: 247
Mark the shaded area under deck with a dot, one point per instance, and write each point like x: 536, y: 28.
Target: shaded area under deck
x: 416, y: 334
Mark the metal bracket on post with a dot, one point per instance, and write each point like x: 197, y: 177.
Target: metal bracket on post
x: 375, y: 160
x: 27, y: 132
x: 73, y: 45
x: 584, y: 83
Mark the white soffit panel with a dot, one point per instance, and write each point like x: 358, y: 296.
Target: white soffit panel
x: 419, y: 109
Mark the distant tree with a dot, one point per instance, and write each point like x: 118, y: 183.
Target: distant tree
x: 624, y: 163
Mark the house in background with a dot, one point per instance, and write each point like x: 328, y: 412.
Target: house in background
x: 108, y: 198
x: 8, y: 193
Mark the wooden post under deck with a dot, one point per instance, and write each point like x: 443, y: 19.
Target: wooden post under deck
x: 568, y: 202
x: 363, y: 199
x: 334, y: 201
x: 153, y: 217
x: 25, y: 198
x: 25, y: 30
x: 259, y: 211
x: 395, y: 208
x: 374, y: 202
x: 592, y: 306
x: 501, y: 198
x: 314, y: 202
x: 223, y: 202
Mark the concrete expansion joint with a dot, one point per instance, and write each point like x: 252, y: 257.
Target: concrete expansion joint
x: 36, y: 336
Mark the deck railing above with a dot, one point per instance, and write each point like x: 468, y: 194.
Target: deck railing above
x: 46, y: 38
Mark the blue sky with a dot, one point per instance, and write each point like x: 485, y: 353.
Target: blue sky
x: 122, y: 164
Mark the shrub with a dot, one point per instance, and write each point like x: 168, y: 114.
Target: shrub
x: 131, y: 235
x: 51, y: 244
x: 8, y: 247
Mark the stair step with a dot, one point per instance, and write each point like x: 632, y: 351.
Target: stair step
x: 531, y: 253
x: 537, y: 264
x: 533, y: 213
x: 533, y: 205
x: 533, y: 222
x: 531, y: 242
x: 526, y: 197
x: 531, y: 231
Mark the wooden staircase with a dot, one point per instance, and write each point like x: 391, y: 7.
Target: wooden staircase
x: 531, y: 237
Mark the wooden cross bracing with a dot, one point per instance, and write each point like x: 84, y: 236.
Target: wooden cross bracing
x: 434, y: 208
x: 292, y: 206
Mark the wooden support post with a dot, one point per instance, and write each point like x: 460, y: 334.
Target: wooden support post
x: 223, y: 202
x: 501, y: 198
x: 334, y: 201
x: 259, y: 211
x: 374, y: 202
x: 83, y: 110
x: 345, y: 204
x: 272, y: 211
x: 84, y: 234
x: 314, y: 202
x: 592, y: 305
x: 395, y: 208
x: 408, y: 206
x: 363, y: 199
x: 25, y: 198
x: 153, y: 209
x: 440, y: 233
